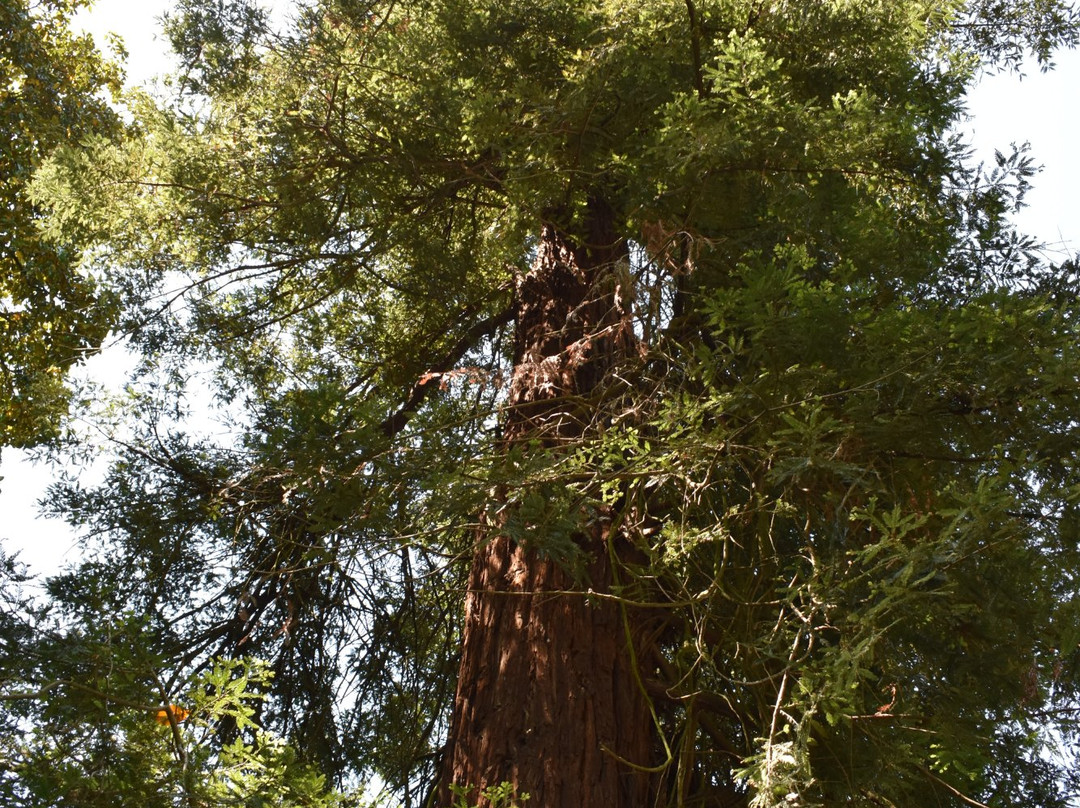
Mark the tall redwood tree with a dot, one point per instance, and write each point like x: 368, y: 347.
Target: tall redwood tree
x: 629, y: 403
x: 549, y: 677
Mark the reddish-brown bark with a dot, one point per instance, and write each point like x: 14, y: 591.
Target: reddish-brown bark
x: 548, y: 698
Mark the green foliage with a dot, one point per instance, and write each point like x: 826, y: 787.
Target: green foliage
x: 842, y: 462
x: 89, y: 695
x: 1007, y: 32
x: 503, y: 795
x: 53, y: 313
x: 216, y: 42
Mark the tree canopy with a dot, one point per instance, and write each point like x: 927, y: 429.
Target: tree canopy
x: 52, y: 315
x: 702, y: 305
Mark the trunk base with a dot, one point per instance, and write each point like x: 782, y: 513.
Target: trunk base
x: 547, y: 698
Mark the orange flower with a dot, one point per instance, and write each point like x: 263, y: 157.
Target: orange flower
x: 178, y: 712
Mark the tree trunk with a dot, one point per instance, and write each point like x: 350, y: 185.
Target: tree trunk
x: 548, y: 699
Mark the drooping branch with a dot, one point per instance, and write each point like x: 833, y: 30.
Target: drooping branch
x: 430, y: 380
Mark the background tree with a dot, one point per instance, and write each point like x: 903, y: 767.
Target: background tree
x: 55, y: 89
x: 677, y: 340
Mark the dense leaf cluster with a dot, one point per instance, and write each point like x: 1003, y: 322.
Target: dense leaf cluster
x: 52, y: 314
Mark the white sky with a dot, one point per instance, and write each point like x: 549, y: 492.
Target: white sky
x: 1041, y: 109
x: 136, y: 22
